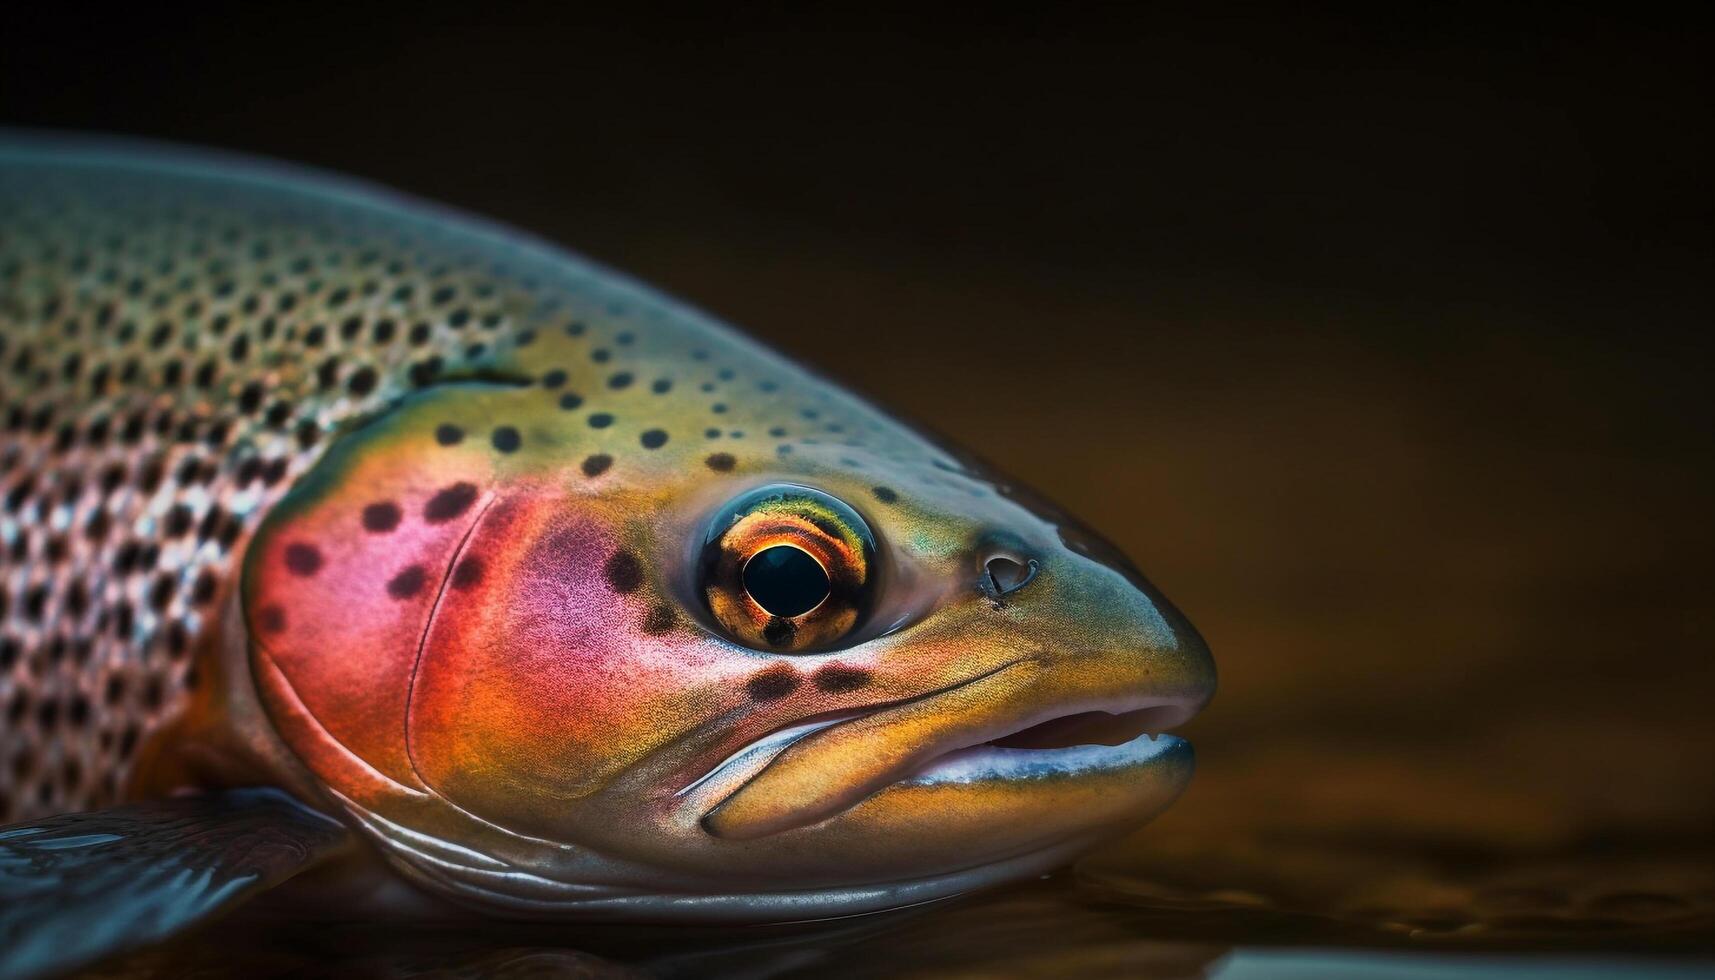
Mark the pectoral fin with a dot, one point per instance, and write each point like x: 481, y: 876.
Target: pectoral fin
x: 81, y: 886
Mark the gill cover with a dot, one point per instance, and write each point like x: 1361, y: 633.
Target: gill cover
x: 435, y: 617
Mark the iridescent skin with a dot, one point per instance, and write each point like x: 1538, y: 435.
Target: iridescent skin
x: 473, y: 625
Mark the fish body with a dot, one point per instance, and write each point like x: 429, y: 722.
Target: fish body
x: 567, y: 597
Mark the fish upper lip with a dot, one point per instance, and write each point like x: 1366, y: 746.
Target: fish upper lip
x: 1168, y: 712
x: 833, y: 718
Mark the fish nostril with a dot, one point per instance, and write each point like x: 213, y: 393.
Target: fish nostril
x: 1008, y: 575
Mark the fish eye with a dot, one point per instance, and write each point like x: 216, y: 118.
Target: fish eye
x: 786, y: 581
x: 788, y: 568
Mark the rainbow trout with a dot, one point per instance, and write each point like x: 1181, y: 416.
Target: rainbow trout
x: 370, y: 521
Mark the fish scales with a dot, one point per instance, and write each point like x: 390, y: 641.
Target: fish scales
x: 180, y: 339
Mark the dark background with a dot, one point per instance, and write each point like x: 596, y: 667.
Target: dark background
x: 1382, y: 344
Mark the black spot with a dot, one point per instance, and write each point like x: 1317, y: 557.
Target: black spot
x: 303, y: 559
x: 721, y: 462
x: 250, y: 399
x: 662, y: 386
x: 467, y: 573
x: 204, y: 590
x: 125, y: 559
x: 98, y: 430
x: 506, y: 439
x: 448, y: 434
x: 597, y: 465
x: 381, y: 517
x: 659, y: 620
x: 623, y: 572
x: 773, y: 684
x: 620, y: 381
x: 423, y: 372
x: 654, y: 439
x: 569, y: 401
x: 362, y: 382
x: 600, y: 420
x: 449, y: 503
x: 271, y: 619
x: 178, y: 638
x: 210, y: 523
x: 128, y: 740
x: 554, y: 379
x: 230, y: 531
x: 779, y: 632
x: 885, y: 494
x: 149, y: 478
x: 837, y: 678
x: 178, y: 521
x: 407, y: 583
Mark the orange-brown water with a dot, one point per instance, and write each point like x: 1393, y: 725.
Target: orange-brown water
x: 1227, y: 910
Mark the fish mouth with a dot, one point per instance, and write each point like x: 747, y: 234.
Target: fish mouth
x: 994, y: 730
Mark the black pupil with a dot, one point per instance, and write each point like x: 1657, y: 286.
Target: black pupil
x: 785, y: 581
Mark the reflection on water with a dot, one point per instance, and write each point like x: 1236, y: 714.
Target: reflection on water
x: 1318, y: 965
x: 1295, y: 910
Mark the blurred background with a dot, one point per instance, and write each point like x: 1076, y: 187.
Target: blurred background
x: 1382, y: 343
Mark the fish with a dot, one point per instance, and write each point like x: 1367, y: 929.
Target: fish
x: 345, y: 531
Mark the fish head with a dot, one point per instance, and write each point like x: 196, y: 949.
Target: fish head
x: 565, y: 662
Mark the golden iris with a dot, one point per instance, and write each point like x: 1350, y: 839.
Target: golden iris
x: 788, y: 568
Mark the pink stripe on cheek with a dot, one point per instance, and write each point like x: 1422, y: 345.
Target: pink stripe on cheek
x: 539, y: 680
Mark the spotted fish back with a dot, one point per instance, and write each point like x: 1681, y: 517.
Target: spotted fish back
x: 179, y: 340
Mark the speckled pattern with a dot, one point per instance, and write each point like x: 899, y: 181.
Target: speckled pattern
x: 182, y: 338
